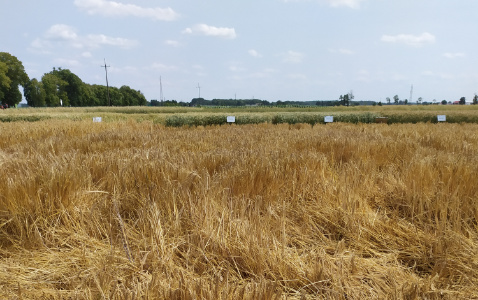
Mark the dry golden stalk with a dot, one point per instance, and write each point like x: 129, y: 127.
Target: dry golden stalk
x: 128, y: 210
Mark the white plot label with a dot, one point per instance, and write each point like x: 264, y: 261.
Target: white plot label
x: 441, y: 118
x: 329, y: 119
x: 97, y: 120
x: 231, y: 119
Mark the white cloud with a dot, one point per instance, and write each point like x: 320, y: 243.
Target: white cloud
x: 172, y: 43
x: 355, y: 4
x: 347, y: 3
x: 254, y: 53
x: 66, y: 62
x: 236, y: 67
x: 203, y: 29
x: 342, y: 51
x: 364, y: 76
x: 162, y: 67
x: 292, y: 57
x: 87, y: 54
x: 440, y: 75
x: 112, y: 8
x: 187, y: 31
x: 297, y: 76
x: 346, y: 51
x: 398, y: 77
x: 410, y: 40
x: 97, y: 40
x: 265, y: 73
x: 61, y: 32
x: 64, y: 35
x: 454, y: 55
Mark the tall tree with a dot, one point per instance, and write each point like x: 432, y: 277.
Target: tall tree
x: 396, y: 99
x: 462, y: 100
x: 74, y: 88
x: 132, y: 97
x: 350, y: 97
x: 475, y: 99
x: 116, y: 97
x: 4, y: 80
x: 34, y: 93
x: 88, y: 96
x: 55, y: 90
x: 9, y: 93
x: 346, y: 100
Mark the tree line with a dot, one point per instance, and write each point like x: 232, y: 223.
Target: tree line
x: 60, y: 87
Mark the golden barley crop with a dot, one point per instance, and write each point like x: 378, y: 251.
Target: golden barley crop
x: 137, y: 210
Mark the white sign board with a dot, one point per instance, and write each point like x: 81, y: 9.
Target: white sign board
x: 329, y: 119
x: 441, y: 118
x: 97, y: 119
x: 231, y: 119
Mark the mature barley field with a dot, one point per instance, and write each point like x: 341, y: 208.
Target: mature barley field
x: 134, y: 209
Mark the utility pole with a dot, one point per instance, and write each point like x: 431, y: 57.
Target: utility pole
x: 107, y: 86
x: 411, y: 94
x: 199, y: 88
x: 161, y: 96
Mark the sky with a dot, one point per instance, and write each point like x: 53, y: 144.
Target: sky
x: 298, y: 50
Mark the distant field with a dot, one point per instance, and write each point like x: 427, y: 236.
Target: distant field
x: 193, y: 116
x: 130, y: 208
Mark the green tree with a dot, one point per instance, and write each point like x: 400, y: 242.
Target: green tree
x: 88, y: 95
x: 396, y: 99
x: 350, y: 97
x: 34, y: 93
x: 443, y: 102
x: 475, y: 99
x: 388, y: 100
x: 462, y: 100
x: 55, y: 90
x: 116, y: 96
x: 4, y: 80
x: 132, y: 97
x: 346, y: 99
x: 9, y: 92
x: 74, y: 87
x: 419, y: 100
x: 100, y: 94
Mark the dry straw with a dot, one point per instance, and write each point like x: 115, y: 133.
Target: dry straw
x: 127, y: 210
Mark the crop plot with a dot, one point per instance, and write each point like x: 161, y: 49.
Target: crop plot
x: 125, y: 209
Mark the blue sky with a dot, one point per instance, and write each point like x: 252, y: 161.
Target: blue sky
x: 271, y: 49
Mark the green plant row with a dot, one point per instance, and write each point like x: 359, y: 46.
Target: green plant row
x: 20, y: 118
x: 214, y: 119
x: 178, y: 120
x: 429, y: 118
x: 313, y: 119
